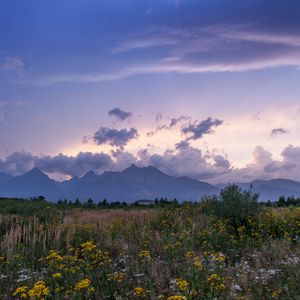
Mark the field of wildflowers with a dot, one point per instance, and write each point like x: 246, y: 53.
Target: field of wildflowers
x: 171, y: 253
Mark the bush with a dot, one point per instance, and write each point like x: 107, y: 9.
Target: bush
x: 238, y: 207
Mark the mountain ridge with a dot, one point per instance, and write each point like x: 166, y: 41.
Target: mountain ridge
x: 131, y: 184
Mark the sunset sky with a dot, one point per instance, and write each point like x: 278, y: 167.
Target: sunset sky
x: 208, y: 88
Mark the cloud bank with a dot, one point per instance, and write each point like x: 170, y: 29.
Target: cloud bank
x: 183, y: 160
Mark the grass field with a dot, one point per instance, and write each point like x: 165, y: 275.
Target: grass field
x: 171, y: 253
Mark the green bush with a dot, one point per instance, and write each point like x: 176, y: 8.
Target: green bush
x: 235, y: 205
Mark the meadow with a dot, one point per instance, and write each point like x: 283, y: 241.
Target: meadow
x: 217, y: 249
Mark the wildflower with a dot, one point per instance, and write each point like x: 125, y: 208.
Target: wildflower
x: 276, y: 294
x: 21, y: 292
x: 220, y: 257
x: 139, y: 292
x: 57, y: 275
x: 213, y: 278
x: 39, y: 290
x: 83, y: 284
x: 197, y: 263
x: 177, y: 297
x: 144, y: 254
x: 101, y: 257
x: 88, y: 246
x: 117, y: 276
x: 190, y: 254
x: 54, y: 256
x: 1, y: 258
x: 59, y: 289
x: 181, y: 284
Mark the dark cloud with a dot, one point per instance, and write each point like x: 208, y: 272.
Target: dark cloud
x: 173, y: 122
x: 183, y: 160
x: 278, y: 131
x: 20, y: 162
x: 114, y: 137
x: 158, y: 117
x: 222, y: 162
x: 75, y: 165
x: 291, y: 154
x: 120, y: 114
x: 197, y: 130
x: 186, y: 161
x: 182, y: 145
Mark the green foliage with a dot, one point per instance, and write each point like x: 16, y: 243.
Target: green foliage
x: 234, y: 205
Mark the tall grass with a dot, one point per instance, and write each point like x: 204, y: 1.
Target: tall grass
x: 159, y: 253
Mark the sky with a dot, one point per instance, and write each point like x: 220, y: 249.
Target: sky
x: 208, y: 89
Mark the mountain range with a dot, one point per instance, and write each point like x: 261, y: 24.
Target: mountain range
x: 132, y: 184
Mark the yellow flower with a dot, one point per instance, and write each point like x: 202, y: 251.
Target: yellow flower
x: 197, y: 263
x: 38, y: 291
x: 57, y: 275
x: 144, y: 254
x: 88, y: 246
x: 59, y: 289
x: 101, y: 257
x: 190, y: 254
x: 1, y: 258
x: 276, y: 294
x: 117, y: 276
x: 83, y: 284
x: 219, y: 257
x: 54, y: 256
x: 20, y: 290
x: 139, y: 292
x: 213, y: 278
x: 177, y: 297
x: 181, y: 284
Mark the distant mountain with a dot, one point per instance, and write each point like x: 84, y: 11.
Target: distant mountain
x: 271, y: 189
x: 4, y: 177
x: 132, y: 184
x: 31, y: 184
x: 274, y: 188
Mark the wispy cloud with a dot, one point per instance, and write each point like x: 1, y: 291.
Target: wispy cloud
x: 278, y: 131
x: 13, y: 63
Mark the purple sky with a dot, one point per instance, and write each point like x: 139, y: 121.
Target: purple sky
x: 207, y: 89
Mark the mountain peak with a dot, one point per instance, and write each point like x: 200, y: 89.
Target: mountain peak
x: 89, y: 174
x: 35, y: 172
x: 132, y: 167
x: 134, y: 170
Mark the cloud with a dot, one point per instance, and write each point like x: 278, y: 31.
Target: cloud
x: 278, y: 131
x: 12, y: 63
x: 291, y: 154
x: 120, y: 114
x: 158, y: 117
x: 114, y: 137
x: 224, y: 37
x: 173, y: 123
x: 2, y: 104
x: 183, y: 160
x: 186, y: 161
x: 20, y: 162
x: 197, y: 130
